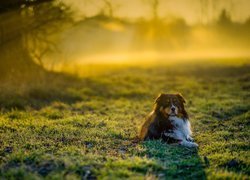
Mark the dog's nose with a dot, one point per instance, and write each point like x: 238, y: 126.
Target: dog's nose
x: 172, y: 108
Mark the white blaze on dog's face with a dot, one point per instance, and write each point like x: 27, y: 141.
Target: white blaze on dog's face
x: 172, y: 110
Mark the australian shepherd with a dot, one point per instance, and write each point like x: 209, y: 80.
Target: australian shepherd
x: 168, y: 121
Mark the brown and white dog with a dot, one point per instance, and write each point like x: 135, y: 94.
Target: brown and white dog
x: 168, y: 121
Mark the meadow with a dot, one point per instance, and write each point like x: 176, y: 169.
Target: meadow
x: 61, y: 126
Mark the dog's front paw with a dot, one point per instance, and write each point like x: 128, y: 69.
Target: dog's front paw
x: 190, y: 139
x: 195, y: 145
x: 189, y: 144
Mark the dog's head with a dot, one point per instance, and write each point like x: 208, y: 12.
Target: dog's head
x: 171, y: 105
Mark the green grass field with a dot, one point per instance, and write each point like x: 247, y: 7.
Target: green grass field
x: 83, y: 128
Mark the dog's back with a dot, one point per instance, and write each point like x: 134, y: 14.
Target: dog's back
x: 146, y: 125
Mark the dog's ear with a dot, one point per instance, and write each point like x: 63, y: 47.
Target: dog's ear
x: 181, y: 98
x: 160, y: 96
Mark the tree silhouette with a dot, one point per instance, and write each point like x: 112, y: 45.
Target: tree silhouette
x: 224, y: 18
x: 109, y: 7
x: 25, y: 31
x: 154, y: 4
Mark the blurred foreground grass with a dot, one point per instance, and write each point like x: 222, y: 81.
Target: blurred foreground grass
x: 62, y: 126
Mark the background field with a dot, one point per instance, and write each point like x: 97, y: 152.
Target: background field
x: 66, y: 126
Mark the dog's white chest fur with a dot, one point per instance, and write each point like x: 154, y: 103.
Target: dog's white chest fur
x: 182, y: 128
x: 182, y: 131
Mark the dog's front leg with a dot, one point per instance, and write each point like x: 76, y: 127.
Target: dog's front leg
x: 188, y: 144
x: 187, y: 131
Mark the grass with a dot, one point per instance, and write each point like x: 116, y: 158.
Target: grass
x: 83, y: 128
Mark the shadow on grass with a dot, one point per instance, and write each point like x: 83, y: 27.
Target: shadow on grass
x: 38, y: 92
x: 48, y: 88
x: 177, y: 162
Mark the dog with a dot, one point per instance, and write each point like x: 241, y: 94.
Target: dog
x: 168, y: 121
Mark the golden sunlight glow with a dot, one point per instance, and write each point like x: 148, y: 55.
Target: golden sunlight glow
x: 154, y: 57
x: 117, y: 27
x: 123, y: 32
